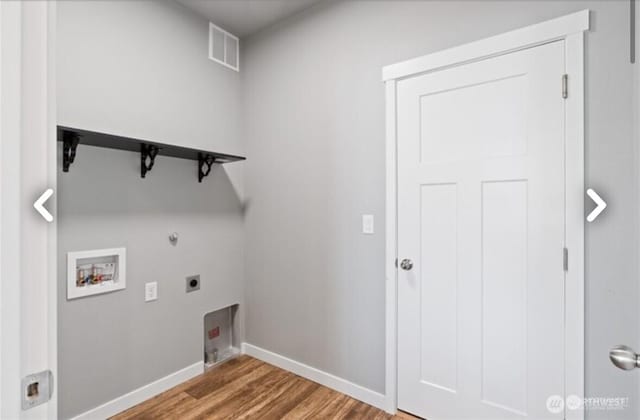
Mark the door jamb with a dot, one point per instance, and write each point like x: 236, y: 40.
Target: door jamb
x: 569, y: 28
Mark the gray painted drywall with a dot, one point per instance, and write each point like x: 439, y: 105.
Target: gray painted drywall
x: 313, y: 112
x: 142, y: 66
x: 313, y: 118
x: 141, y: 69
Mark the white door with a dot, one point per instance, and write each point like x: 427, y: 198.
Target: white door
x: 27, y: 241
x: 481, y: 216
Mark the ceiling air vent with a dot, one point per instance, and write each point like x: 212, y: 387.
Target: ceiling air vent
x: 224, y: 47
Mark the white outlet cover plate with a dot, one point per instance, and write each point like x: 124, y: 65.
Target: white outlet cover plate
x: 151, y: 291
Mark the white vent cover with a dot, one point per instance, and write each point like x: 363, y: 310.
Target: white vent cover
x: 224, y: 47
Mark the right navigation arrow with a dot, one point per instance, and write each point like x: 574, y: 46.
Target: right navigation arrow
x: 600, y: 205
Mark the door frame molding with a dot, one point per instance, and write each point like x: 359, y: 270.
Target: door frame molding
x: 10, y: 95
x: 28, y: 342
x: 570, y: 29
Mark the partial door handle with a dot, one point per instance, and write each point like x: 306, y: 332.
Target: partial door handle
x: 624, y: 357
x: 406, y: 264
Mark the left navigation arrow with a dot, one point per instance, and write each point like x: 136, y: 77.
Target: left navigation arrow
x: 39, y: 205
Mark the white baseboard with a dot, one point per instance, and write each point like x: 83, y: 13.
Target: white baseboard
x: 152, y: 389
x: 358, y: 392
x: 142, y: 394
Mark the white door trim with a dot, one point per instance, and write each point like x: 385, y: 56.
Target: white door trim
x: 28, y: 307
x: 10, y: 105
x: 529, y: 36
x: 569, y: 28
x: 636, y: 126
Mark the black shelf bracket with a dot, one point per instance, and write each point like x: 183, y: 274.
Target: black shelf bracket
x: 70, y: 142
x: 204, y: 165
x: 148, y: 153
x: 148, y: 149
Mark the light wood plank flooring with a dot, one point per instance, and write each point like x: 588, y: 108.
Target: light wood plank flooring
x: 247, y: 388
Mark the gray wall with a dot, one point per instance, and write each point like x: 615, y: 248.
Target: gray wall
x: 314, y: 133
x: 141, y: 69
x: 313, y: 123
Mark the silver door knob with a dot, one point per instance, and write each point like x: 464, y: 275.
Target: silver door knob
x: 624, y: 357
x: 406, y: 264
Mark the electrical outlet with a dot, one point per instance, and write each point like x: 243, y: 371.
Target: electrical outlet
x: 367, y: 224
x: 151, y: 291
x: 193, y: 283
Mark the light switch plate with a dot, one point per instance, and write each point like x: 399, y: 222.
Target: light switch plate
x: 151, y: 291
x: 367, y: 224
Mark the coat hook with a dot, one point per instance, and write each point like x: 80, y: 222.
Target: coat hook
x: 173, y: 238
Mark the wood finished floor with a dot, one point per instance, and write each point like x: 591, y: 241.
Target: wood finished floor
x: 247, y: 388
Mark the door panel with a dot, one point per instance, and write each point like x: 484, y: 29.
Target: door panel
x: 503, y: 300
x: 481, y: 214
x: 439, y: 297
x: 485, y: 131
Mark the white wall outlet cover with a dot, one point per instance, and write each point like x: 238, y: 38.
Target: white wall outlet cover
x: 367, y: 224
x: 151, y: 291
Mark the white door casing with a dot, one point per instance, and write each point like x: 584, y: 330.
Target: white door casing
x: 498, y: 137
x: 27, y: 168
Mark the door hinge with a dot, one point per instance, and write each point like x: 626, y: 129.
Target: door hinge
x: 565, y: 86
x: 565, y: 259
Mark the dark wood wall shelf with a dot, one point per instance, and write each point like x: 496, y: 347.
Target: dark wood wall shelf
x: 72, y: 137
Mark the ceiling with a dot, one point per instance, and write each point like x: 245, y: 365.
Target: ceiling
x: 245, y: 17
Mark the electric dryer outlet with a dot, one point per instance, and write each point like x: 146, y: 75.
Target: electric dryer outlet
x: 193, y: 283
